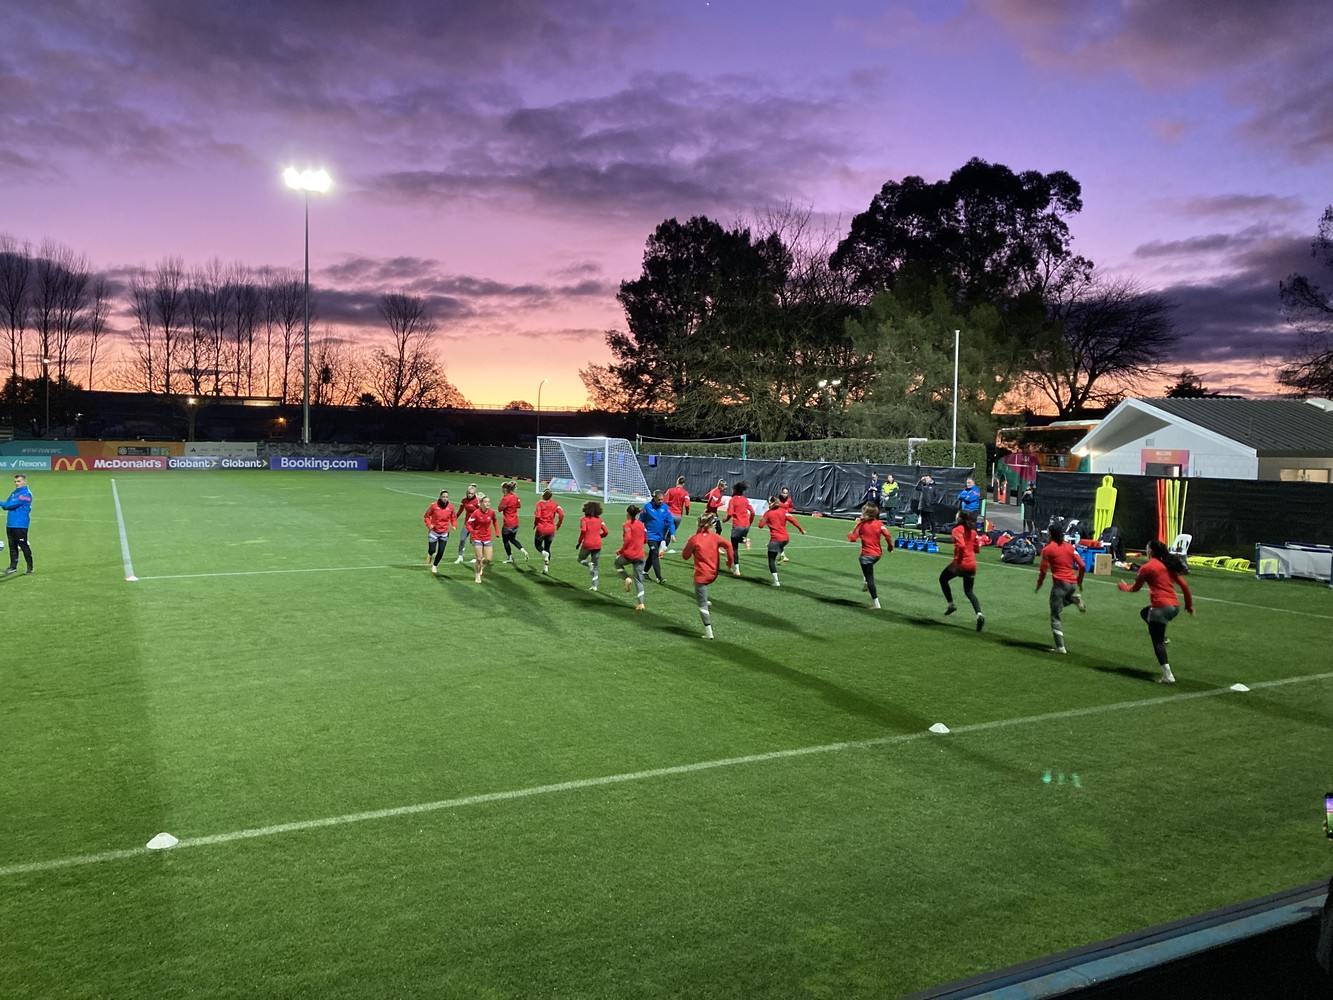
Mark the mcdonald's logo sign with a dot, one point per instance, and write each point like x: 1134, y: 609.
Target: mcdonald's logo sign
x: 68, y: 463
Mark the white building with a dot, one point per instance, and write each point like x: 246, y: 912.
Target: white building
x: 1273, y: 439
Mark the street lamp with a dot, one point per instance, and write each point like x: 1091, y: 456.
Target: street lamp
x: 306, y: 181
x: 827, y: 387
x: 539, y: 408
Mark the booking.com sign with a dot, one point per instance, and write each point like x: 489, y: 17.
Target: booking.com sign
x: 303, y: 463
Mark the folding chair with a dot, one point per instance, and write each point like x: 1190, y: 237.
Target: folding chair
x: 1181, y: 546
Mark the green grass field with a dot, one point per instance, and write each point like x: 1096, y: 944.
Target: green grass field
x: 570, y: 799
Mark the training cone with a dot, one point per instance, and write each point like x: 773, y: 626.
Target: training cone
x: 939, y: 727
x: 1239, y: 687
x: 162, y: 842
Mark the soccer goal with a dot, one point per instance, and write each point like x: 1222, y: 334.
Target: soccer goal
x: 604, y: 467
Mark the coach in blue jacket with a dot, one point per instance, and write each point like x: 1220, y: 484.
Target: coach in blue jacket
x: 19, y: 516
x: 657, y: 526
x: 969, y: 497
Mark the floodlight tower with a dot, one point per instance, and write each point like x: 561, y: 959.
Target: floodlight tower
x: 306, y: 181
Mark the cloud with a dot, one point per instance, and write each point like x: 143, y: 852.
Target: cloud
x: 1261, y: 56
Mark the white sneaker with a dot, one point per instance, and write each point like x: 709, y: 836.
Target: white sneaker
x: 593, y: 588
x: 1078, y: 603
x: 708, y: 632
x: 1167, y: 677
x: 546, y: 568
x: 1058, y: 649
x: 736, y: 571
x: 509, y: 559
x: 874, y: 605
x: 785, y: 559
x: 435, y: 570
x: 458, y: 561
x: 776, y: 582
x: 473, y: 560
x: 525, y: 554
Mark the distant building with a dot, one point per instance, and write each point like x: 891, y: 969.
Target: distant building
x: 1270, y: 439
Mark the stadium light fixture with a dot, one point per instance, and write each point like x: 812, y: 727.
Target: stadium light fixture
x: 306, y: 181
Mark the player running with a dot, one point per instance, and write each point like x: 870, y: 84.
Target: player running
x: 591, y: 532
x: 466, y: 507
x: 1162, y: 578
x: 481, y: 524
x: 547, y: 518
x: 875, y: 540
x: 630, y: 553
x: 713, y: 499
x: 509, y: 505
x: 741, y: 515
x: 706, y: 549
x: 776, y: 519
x: 678, y: 502
x: 440, y: 518
x: 786, y: 503
x: 1067, y: 569
x: 966, y: 545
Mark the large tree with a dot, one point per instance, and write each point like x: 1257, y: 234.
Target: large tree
x: 1106, y: 337
x: 909, y: 340
x: 727, y: 330
x: 988, y: 233
x: 1308, y: 371
x: 408, y: 373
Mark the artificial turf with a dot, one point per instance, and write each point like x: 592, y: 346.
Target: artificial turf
x: 611, y: 806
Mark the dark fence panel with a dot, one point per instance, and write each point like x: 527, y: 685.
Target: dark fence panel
x: 1224, y: 516
x: 487, y: 460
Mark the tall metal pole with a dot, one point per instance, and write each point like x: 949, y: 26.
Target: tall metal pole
x: 954, y: 460
x: 46, y: 364
x: 539, y: 408
x: 305, y: 367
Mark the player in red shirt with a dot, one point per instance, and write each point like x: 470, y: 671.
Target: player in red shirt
x: 630, y: 553
x: 1162, y: 578
x: 509, y: 505
x: 481, y: 525
x: 875, y: 540
x: 706, y: 549
x: 466, y: 506
x: 741, y: 515
x: 776, y: 519
x: 678, y: 502
x: 591, y: 532
x: 966, y: 545
x: 546, y: 518
x: 440, y: 517
x: 788, y: 504
x: 713, y: 499
x: 1066, y: 580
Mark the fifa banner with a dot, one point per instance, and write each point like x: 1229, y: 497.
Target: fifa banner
x: 224, y: 449
x: 322, y: 463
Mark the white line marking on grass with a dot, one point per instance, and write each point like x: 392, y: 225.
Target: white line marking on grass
x: 264, y: 572
x: 619, y: 779
x: 124, y: 541
x: 428, y: 496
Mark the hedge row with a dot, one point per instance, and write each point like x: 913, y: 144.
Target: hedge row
x: 878, y: 451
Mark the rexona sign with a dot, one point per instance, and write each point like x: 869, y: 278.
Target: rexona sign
x: 302, y: 463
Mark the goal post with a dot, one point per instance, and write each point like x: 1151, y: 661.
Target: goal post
x: 595, y: 466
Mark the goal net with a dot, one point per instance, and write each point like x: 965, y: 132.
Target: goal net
x: 600, y: 467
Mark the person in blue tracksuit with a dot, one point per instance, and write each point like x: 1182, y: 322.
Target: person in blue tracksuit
x: 17, y: 520
x: 969, y: 498
x: 658, y: 525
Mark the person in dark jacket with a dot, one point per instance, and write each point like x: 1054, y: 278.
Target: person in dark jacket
x: 1028, y: 501
x: 658, y: 525
x: 928, y: 495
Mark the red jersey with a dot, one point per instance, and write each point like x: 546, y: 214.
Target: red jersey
x: 636, y: 538
x: 466, y: 506
x: 509, y: 505
x: 591, y: 532
x: 547, y: 516
x: 707, y: 549
x: 678, y: 501
x: 441, y: 520
x: 1063, y: 562
x: 966, y: 545
x: 739, y: 512
x: 481, y: 525
x: 775, y: 519
x: 1162, y: 585
x: 869, y: 533
x: 713, y: 500
x: 786, y: 503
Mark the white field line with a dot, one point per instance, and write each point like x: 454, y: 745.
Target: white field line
x: 633, y: 776
x: 124, y: 541
x: 264, y: 572
x: 1089, y: 578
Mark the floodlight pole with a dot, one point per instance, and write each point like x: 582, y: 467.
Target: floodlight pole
x: 539, y: 408
x: 954, y: 460
x: 46, y: 368
x: 305, y: 364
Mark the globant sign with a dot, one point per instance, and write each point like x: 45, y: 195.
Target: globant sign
x: 214, y: 462
x: 302, y: 463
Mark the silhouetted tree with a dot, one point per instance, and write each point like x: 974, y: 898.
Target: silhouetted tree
x: 1308, y: 371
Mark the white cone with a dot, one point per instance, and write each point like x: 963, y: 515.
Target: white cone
x: 162, y: 842
x: 1239, y: 687
x: 939, y: 727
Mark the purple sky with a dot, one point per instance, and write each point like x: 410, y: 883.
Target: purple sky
x: 507, y: 159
